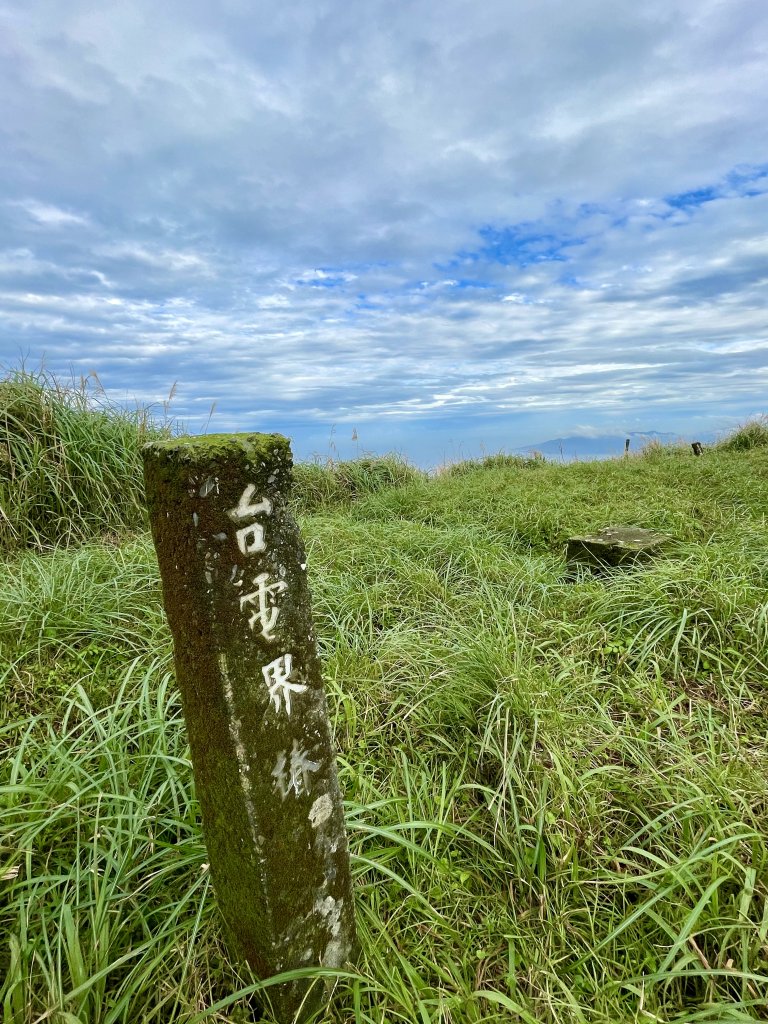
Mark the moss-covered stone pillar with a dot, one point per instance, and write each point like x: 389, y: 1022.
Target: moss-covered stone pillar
x: 236, y: 595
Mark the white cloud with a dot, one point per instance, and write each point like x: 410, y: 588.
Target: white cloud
x: 49, y: 215
x: 173, y: 260
x: 284, y: 207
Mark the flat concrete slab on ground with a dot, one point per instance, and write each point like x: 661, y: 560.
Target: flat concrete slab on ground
x: 614, y: 547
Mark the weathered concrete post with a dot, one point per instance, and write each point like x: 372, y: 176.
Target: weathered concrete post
x: 626, y: 446
x: 615, y: 547
x: 236, y: 595
x: 697, y: 448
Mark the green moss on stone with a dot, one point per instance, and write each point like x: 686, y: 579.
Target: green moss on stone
x: 201, y: 447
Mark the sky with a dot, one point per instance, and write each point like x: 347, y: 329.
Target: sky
x: 392, y: 225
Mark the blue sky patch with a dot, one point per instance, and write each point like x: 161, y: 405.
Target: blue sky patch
x: 695, y: 197
x: 521, y: 245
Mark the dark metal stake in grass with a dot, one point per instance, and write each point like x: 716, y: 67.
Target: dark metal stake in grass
x: 236, y: 595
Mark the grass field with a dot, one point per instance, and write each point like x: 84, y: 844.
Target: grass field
x: 556, y: 790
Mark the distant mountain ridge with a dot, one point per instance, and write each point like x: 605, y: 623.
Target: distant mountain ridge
x: 602, y: 446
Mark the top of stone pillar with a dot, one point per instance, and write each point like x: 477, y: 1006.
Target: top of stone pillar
x: 271, y: 451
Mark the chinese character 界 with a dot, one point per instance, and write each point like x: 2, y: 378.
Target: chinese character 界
x: 277, y: 676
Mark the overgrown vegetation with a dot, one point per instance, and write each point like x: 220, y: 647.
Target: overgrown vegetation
x: 71, y: 470
x: 753, y: 434
x: 499, y: 460
x: 70, y: 464
x: 337, y: 482
x: 555, y: 791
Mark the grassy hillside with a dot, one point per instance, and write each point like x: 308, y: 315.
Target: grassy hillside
x: 555, y: 790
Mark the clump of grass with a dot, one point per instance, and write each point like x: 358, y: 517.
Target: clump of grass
x: 315, y: 486
x: 105, y: 894
x: 500, y: 460
x: 335, y: 483
x: 70, y: 465
x: 76, y: 615
x: 370, y: 474
x: 753, y: 434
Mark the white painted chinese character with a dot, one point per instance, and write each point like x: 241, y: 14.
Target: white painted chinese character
x: 277, y: 676
x: 246, y: 507
x: 250, y: 539
x: 266, y: 597
x: 292, y: 774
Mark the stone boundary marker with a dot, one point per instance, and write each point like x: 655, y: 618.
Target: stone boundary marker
x: 615, y: 546
x: 235, y: 591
